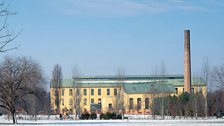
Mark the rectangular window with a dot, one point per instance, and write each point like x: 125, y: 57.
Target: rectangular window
x: 99, y: 104
x: 138, y: 103
x: 131, y: 104
x: 146, y: 103
x: 85, y: 92
x: 192, y: 90
x: 108, y: 91
x: 63, y: 92
x: 110, y: 106
x: 70, y: 92
x: 56, y: 93
x: 99, y: 101
x: 55, y: 101
x: 99, y: 91
x: 115, y: 92
x: 92, y: 91
x: 77, y: 92
x: 183, y: 90
x: 85, y: 101
x: 70, y: 102
x: 62, y: 102
x: 92, y: 101
x: 200, y: 89
x: 176, y: 90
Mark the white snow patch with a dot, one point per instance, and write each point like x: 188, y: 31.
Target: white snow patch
x: 143, y: 122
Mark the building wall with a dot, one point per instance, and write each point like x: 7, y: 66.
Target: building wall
x: 203, y: 89
x: 109, y: 99
x: 105, y: 99
x: 64, y: 99
x: 135, y: 97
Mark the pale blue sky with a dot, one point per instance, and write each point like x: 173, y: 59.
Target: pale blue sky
x: 100, y: 35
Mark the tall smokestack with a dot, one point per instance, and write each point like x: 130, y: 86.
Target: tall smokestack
x: 187, y: 62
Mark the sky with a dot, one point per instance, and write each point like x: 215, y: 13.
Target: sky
x: 99, y: 36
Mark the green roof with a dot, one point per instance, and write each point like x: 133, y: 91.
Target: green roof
x: 135, y: 88
x: 69, y: 83
x: 138, y: 85
x: 130, y: 77
x: 148, y: 87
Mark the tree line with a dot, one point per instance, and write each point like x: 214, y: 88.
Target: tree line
x: 196, y: 104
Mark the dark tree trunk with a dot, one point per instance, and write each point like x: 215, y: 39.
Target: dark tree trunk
x: 13, y: 116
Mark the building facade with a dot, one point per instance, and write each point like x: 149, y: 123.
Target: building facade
x: 129, y: 94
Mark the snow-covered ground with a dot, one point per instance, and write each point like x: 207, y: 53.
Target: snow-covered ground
x: 143, y: 122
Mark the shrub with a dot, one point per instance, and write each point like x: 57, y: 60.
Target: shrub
x: 102, y: 116
x: 85, y: 116
x: 119, y: 116
x: 107, y: 115
x: 93, y: 115
x: 113, y: 115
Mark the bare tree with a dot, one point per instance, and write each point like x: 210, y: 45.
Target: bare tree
x: 215, y: 97
x: 153, y: 93
x: 163, y: 71
x: 211, y: 103
x: 215, y: 102
x: 206, y: 77
x: 77, y: 90
x: 173, y: 106
x: 19, y: 77
x: 196, y: 80
x: 37, y: 104
x: 119, y: 101
x: 6, y: 36
x: 206, y: 71
x: 57, y: 80
x: 201, y: 102
x: 218, y: 77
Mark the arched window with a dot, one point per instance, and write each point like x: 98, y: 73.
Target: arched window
x: 131, y: 103
x: 139, y: 103
x: 146, y: 103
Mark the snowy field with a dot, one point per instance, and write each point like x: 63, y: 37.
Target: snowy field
x: 150, y: 122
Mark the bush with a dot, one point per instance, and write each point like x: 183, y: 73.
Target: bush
x: 110, y: 116
x: 113, y: 115
x: 85, y: 116
x: 125, y: 117
x: 93, y: 115
x: 119, y: 116
x: 102, y: 116
x: 107, y: 115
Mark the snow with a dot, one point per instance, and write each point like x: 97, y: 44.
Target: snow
x: 133, y: 122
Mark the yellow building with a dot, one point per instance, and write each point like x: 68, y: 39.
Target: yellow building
x: 131, y: 94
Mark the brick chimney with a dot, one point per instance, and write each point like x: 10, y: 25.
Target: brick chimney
x: 187, y: 62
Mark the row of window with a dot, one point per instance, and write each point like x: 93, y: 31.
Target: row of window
x: 131, y: 103
x: 85, y: 101
x: 92, y: 101
x: 63, y: 103
x: 192, y: 90
x: 139, y: 103
x: 85, y: 92
x: 99, y: 91
x: 108, y: 91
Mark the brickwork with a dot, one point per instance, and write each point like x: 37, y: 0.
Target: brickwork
x: 187, y: 62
